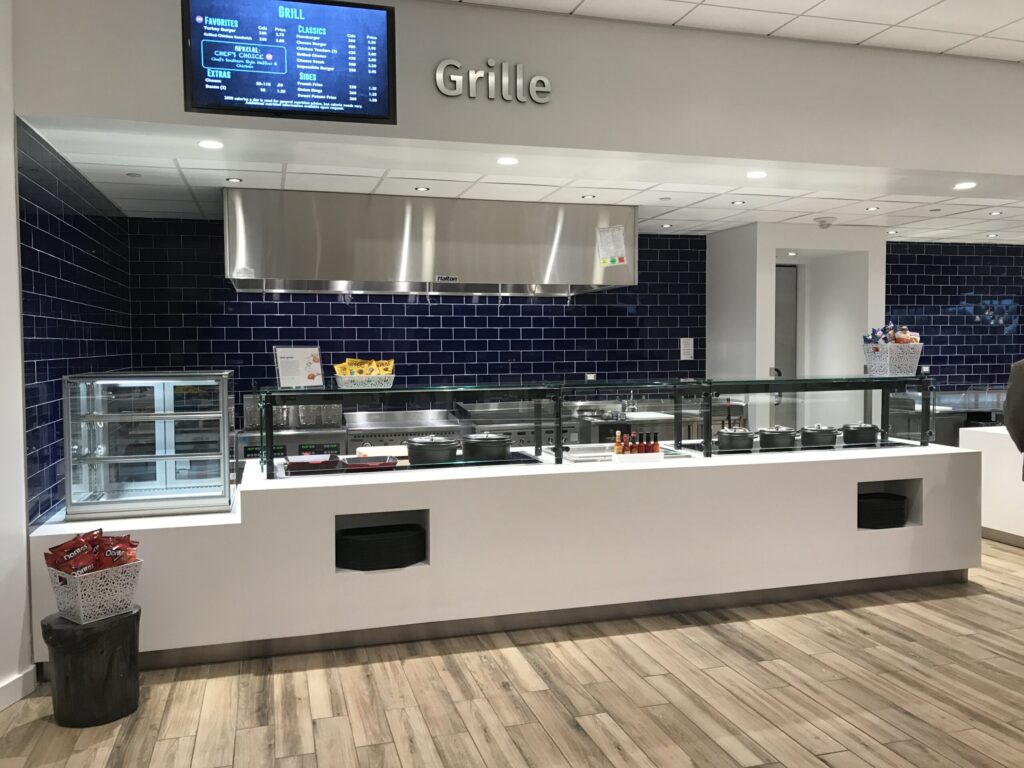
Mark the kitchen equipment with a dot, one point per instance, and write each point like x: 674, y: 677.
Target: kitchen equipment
x: 777, y: 438
x: 486, y: 446
x: 369, y: 428
x: 517, y: 419
x: 735, y: 439
x: 881, y: 510
x: 311, y: 465
x: 860, y: 434
x: 818, y: 436
x: 432, y: 449
x: 368, y: 463
x: 728, y: 412
x: 378, y: 547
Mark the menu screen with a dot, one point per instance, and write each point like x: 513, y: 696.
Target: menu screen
x: 290, y: 59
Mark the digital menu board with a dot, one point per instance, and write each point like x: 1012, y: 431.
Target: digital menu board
x: 314, y: 59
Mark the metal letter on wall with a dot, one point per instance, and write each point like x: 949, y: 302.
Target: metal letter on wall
x: 495, y: 81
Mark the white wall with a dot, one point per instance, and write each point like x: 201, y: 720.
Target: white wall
x: 17, y: 675
x: 736, y: 296
x: 616, y: 86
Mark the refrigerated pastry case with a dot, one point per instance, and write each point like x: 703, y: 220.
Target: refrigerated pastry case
x: 147, y: 443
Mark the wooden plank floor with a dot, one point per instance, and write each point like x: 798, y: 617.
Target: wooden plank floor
x: 924, y: 678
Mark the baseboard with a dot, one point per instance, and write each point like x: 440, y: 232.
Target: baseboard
x: 1003, y: 537
x: 17, y: 687
x: 434, y: 630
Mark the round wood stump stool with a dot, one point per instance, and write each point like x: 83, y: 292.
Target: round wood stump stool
x: 94, y: 668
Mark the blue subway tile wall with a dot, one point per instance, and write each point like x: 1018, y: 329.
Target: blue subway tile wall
x: 966, y: 301
x: 187, y: 315
x: 76, y: 310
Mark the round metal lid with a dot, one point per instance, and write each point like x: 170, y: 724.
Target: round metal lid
x: 734, y: 431
x: 778, y: 429
x: 818, y: 428
x: 433, y: 440
x: 859, y: 426
x: 487, y: 437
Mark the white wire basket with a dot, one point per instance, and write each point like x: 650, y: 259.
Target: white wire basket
x: 892, y: 359
x: 378, y: 381
x: 95, y: 595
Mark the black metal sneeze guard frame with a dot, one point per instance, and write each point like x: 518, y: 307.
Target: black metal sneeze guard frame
x: 704, y: 389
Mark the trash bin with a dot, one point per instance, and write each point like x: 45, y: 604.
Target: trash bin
x: 94, y: 668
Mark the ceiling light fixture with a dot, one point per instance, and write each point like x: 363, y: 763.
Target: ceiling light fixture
x: 422, y: 189
x: 134, y: 175
x: 508, y: 161
x: 664, y: 199
x: 993, y: 234
x: 233, y: 180
x: 893, y: 232
x: 588, y: 197
x: 871, y: 208
x: 960, y: 186
x: 739, y: 202
x: 757, y: 174
x: 211, y: 144
x: 666, y: 226
x: 995, y: 213
x: 791, y: 253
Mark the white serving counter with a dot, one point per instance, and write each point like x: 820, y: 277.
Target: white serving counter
x: 1002, y: 487
x: 536, y: 538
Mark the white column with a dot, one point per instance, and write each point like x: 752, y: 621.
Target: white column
x: 17, y: 674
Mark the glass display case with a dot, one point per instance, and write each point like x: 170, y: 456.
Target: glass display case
x: 147, y: 443
x: 577, y: 421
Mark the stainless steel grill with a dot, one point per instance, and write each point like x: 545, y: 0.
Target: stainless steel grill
x: 369, y: 428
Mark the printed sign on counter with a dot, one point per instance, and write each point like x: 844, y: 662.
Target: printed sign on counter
x: 299, y: 367
x: 611, y: 246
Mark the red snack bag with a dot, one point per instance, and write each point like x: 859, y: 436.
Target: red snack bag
x: 79, y: 565
x: 114, y: 552
x: 69, y: 550
x: 93, y: 538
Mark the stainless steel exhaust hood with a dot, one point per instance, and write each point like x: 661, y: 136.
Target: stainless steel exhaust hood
x: 326, y: 242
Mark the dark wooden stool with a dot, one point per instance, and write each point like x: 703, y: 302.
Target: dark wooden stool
x: 94, y: 668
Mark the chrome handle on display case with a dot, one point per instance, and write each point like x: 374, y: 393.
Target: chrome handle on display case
x: 777, y: 398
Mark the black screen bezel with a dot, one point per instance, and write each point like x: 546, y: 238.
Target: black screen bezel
x: 293, y: 114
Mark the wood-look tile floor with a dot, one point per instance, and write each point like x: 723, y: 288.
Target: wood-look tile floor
x: 924, y: 678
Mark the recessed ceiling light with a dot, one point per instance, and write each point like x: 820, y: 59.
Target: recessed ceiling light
x: 992, y: 234
x: 134, y: 175
x: 757, y: 174
x: 965, y: 185
x: 588, y: 197
x: 508, y: 161
x: 893, y: 232
x: 664, y: 199
x: 871, y: 208
x: 791, y: 253
x: 666, y: 226
x: 739, y: 202
x: 233, y: 180
x: 422, y: 189
x: 211, y: 144
x: 995, y: 213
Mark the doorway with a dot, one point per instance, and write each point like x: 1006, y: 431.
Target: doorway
x: 786, y: 286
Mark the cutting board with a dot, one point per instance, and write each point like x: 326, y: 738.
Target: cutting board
x: 398, y: 451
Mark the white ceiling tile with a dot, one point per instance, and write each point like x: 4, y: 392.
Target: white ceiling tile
x: 146, y: 191
x: 555, y: 6
x: 599, y: 196
x: 252, y: 179
x: 225, y: 164
x: 844, y: 195
x: 995, y: 225
x: 733, y: 20
x: 700, y: 214
x: 809, y: 204
x: 990, y: 48
x: 665, y: 198
x: 168, y: 206
x: 770, y: 191
x: 131, y: 163
x: 142, y: 213
x: 926, y: 40
x: 651, y: 11
x: 339, y: 170
x: 748, y: 202
x: 882, y: 206
x: 674, y: 228
x: 933, y: 234
x: 498, y: 178
x: 841, y: 218
x: 889, y: 220
x: 612, y: 184
x: 205, y: 195
x: 522, y: 192
x: 876, y: 11
x: 935, y: 210
x: 710, y: 189
x: 434, y: 188
x: 972, y: 17
x: 777, y: 6
x: 319, y: 182
x: 1013, y: 31
x: 759, y: 215
x: 438, y: 175
x: 987, y: 201
x: 829, y: 30
x: 650, y: 211
x: 911, y: 198
x: 114, y: 174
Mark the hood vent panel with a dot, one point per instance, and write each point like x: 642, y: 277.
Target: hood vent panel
x: 325, y: 242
